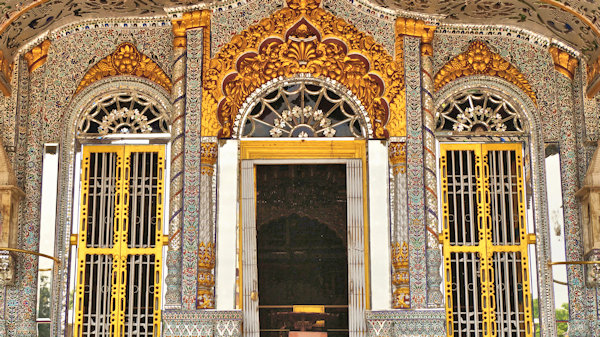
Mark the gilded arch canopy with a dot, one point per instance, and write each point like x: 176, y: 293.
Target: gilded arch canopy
x: 126, y: 60
x: 304, y: 39
x: 479, y: 59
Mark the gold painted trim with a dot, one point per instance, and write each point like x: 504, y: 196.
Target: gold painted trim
x: 310, y: 149
x: 550, y: 264
x: 302, y: 149
x: 31, y: 252
x: 37, y: 56
x: 125, y: 60
x: 6, y: 69
x: 564, y: 62
x: 479, y: 59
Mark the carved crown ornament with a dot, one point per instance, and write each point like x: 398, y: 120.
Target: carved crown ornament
x: 304, y: 39
x: 564, y: 62
x: 478, y: 59
x: 37, y: 56
x: 126, y: 60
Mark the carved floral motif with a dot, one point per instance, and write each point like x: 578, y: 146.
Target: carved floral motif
x: 304, y: 39
x: 126, y: 60
x: 478, y: 59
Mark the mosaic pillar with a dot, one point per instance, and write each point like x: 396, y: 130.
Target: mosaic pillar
x: 206, y: 250
x: 22, y: 299
x: 434, y: 254
x: 579, y: 295
x: 399, y: 215
x: 173, y: 298
x: 191, y: 193
x: 414, y: 173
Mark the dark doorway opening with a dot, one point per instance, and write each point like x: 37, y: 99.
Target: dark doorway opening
x: 302, y: 250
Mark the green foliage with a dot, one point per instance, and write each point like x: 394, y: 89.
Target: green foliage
x: 562, y: 314
x: 44, y: 306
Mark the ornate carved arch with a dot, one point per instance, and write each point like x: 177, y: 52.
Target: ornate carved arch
x: 304, y: 38
x: 478, y: 59
x: 126, y: 60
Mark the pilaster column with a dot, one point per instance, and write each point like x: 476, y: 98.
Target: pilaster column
x: 434, y: 255
x: 206, y: 250
x: 579, y: 296
x: 22, y: 299
x: 173, y: 261
x: 425, y: 142
x: 191, y: 244
x: 399, y: 237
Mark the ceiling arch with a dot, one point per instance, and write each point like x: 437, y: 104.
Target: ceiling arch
x: 575, y: 22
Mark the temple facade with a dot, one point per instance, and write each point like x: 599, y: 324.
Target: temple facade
x: 299, y: 168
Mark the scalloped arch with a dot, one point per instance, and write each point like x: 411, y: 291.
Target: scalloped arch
x: 125, y: 60
x: 304, y: 39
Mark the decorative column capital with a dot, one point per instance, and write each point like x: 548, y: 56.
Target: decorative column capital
x: 188, y: 20
x: 397, y: 154
x: 564, y: 62
x: 208, y: 158
x: 416, y: 28
x: 37, y: 56
x: 6, y: 68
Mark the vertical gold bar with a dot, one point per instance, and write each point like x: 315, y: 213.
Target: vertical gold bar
x: 118, y: 293
x: 82, y: 241
x: 159, y: 238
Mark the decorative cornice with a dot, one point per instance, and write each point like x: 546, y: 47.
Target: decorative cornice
x: 478, y: 59
x: 188, y: 20
x: 417, y: 28
x: 37, y: 56
x: 593, y: 78
x: 126, y: 60
x: 564, y: 62
x: 5, y: 74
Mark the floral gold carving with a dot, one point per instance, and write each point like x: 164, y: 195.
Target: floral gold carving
x: 564, y: 62
x: 126, y: 60
x: 205, y: 299
x: 304, y: 39
x: 400, y: 276
x: 37, y: 56
x: 397, y: 153
x: 480, y: 60
x: 206, y: 255
x: 5, y: 74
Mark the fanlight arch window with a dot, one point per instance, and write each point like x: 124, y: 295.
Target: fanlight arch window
x: 123, y: 113
x: 479, y: 111
x: 303, y: 108
x: 120, y: 228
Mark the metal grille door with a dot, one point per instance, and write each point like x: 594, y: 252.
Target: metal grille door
x: 485, y: 240
x: 120, y: 241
